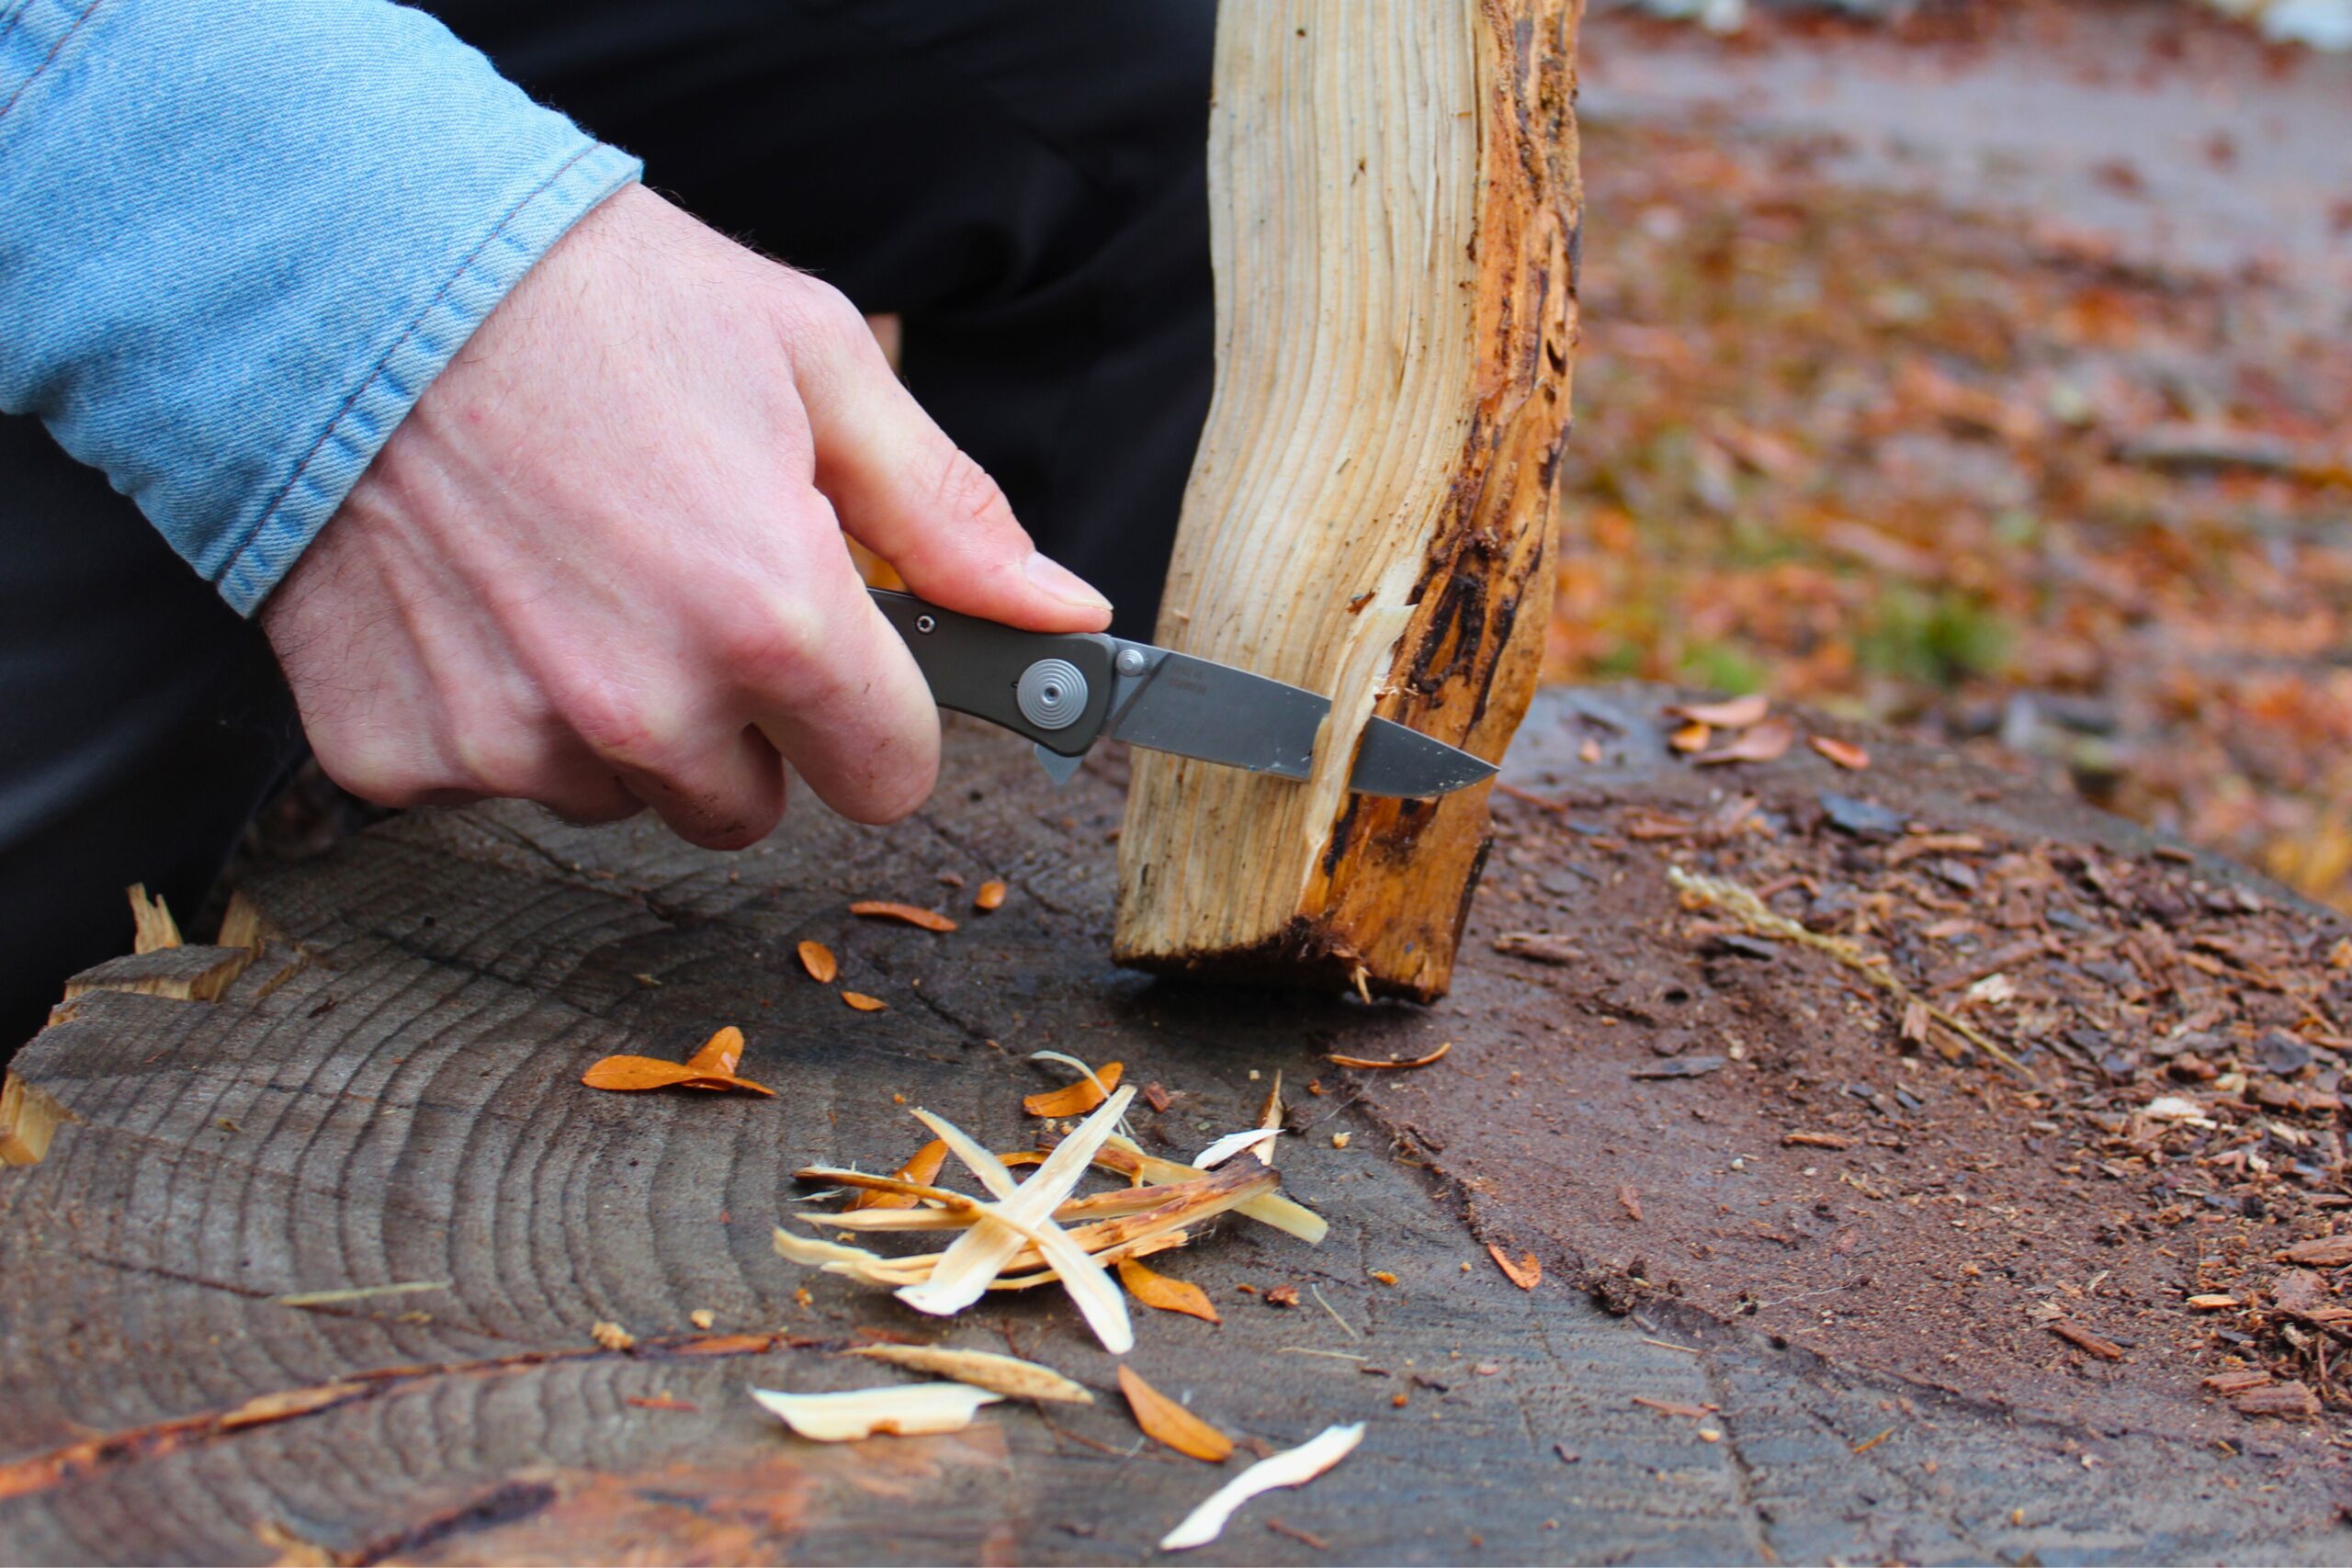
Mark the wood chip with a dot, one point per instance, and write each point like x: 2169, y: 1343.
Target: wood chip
x: 1845, y: 753
x: 1526, y: 1273
x: 909, y: 914
x: 2326, y: 1252
x: 153, y: 928
x: 1764, y: 743
x: 818, y: 960
x: 1691, y: 737
x: 2211, y: 1303
x: 612, y: 1336
x: 2084, y: 1340
x: 1232, y: 1144
x: 1170, y: 1424
x: 902, y: 1411
x: 1076, y: 1098
x: 1166, y: 1294
x: 2235, y: 1382
x: 1816, y: 1141
x: 990, y: 897
x: 1007, y: 1375
x: 1366, y: 1063
x: 720, y: 1054
x: 1735, y: 713
x: 1671, y: 1406
x: 629, y: 1072
x: 1295, y: 1467
x: 2286, y: 1401
x: 1629, y: 1198
x: 924, y: 1168
x: 863, y: 1002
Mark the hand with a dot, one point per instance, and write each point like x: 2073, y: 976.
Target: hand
x: 601, y: 563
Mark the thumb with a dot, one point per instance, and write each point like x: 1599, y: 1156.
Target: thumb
x: 905, y: 491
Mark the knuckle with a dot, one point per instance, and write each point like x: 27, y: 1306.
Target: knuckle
x: 620, y: 727
x: 966, y: 492
x: 771, y: 643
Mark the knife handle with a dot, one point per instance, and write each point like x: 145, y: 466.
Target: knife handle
x: 1054, y: 688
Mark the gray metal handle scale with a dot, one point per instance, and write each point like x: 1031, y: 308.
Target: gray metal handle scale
x: 1054, y: 689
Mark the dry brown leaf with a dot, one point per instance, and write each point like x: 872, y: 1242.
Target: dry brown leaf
x: 1076, y: 1098
x: 1764, y: 743
x: 990, y: 897
x: 1165, y: 1421
x: 1845, y: 753
x: 912, y: 914
x: 1735, y: 713
x: 863, y: 1002
x: 924, y: 1167
x: 1527, y: 1273
x: 720, y: 1055
x: 1691, y: 737
x: 1166, y: 1294
x: 1368, y: 1064
x: 625, y: 1073
x: 818, y: 960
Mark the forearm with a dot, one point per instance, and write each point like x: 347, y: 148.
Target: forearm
x: 238, y: 241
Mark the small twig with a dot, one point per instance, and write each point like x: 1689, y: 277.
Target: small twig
x: 1347, y: 1328
x: 1745, y: 907
x: 1335, y: 1355
x: 1306, y: 1538
x: 356, y: 1294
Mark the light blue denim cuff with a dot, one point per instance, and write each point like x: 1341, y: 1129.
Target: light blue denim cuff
x: 377, y: 405
x: 238, y: 241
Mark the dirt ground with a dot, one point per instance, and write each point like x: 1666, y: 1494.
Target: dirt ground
x: 1720, y: 1118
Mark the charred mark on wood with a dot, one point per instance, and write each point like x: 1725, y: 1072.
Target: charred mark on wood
x: 1470, y: 886
x: 1452, y: 632
x: 1498, y: 635
x: 1342, y: 832
x: 505, y: 1505
x: 1576, y: 258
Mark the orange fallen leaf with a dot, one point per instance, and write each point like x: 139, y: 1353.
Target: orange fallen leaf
x: 1078, y: 1099
x: 1737, y: 713
x: 923, y: 1167
x: 818, y: 960
x: 651, y: 1072
x: 1691, y: 737
x: 1761, y: 744
x: 1019, y: 1157
x: 1370, y: 1065
x: 990, y: 897
x: 912, y: 914
x: 1527, y: 1273
x: 1167, y: 1295
x: 720, y: 1054
x: 1165, y: 1421
x: 1845, y: 753
x: 863, y: 1002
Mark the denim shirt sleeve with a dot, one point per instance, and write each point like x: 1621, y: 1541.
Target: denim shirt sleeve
x: 237, y: 242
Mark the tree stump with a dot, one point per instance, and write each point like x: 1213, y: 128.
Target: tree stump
x: 388, y: 1094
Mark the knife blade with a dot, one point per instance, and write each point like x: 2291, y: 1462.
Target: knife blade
x: 1063, y: 690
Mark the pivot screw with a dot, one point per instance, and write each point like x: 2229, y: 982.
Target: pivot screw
x: 1132, y: 661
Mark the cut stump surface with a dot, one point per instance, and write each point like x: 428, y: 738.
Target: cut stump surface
x: 396, y: 1100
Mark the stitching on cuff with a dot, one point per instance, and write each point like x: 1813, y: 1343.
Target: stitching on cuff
x: 55, y: 49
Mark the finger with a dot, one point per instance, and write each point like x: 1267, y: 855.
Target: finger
x: 831, y: 685
x: 724, y: 795
x: 905, y: 491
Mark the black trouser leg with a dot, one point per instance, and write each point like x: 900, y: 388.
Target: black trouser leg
x: 1024, y: 181
x: 1021, y: 180
x: 141, y: 723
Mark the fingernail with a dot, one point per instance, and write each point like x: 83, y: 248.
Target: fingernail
x: 1063, y: 584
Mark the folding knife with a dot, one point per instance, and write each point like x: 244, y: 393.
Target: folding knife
x: 1065, y: 690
